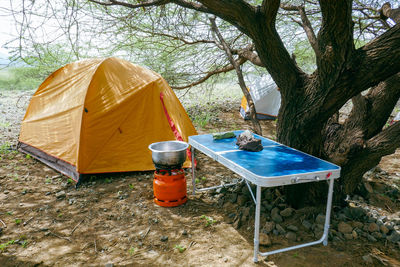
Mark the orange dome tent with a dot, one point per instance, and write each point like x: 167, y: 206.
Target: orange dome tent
x: 99, y: 116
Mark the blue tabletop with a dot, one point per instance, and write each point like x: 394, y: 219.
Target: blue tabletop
x: 274, y: 160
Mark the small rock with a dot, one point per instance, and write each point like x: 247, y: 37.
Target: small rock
x: 233, y: 197
x: 394, y: 236
x: 345, y: 228
x: 377, y: 235
x: 280, y: 229
x: 48, y: 193
x: 109, y: 265
x: 306, y: 224
x: 384, y: 229
x: 367, y: 259
x: 185, y: 232
x: 357, y: 224
x: 286, y: 212
x: 373, y: 227
x: 275, y: 215
x: 238, y: 223
x: 292, y: 228
x: 242, y: 199
x: 60, y: 194
x: 225, y: 259
x: 164, y: 238
x: 291, y: 236
x: 348, y: 236
x: 371, y: 238
x: 269, y: 226
x: 6, y: 192
x: 354, y: 234
x: 265, y: 240
x: 320, y: 219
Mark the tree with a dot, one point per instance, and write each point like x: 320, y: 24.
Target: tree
x: 346, y: 68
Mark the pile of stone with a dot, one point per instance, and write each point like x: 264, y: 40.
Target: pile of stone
x: 277, y: 219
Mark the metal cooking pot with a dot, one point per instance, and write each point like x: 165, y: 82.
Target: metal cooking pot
x: 168, y: 153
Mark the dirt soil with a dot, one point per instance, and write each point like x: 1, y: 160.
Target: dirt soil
x: 112, y: 220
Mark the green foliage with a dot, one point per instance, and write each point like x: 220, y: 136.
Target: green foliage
x: 209, y: 220
x: 131, y: 186
x: 21, y: 78
x: 27, y: 156
x: 180, y: 248
x: 4, y: 246
x: 5, y: 148
x: 18, y: 221
x: 131, y: 250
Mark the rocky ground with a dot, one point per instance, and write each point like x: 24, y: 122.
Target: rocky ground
x: 45, y: 221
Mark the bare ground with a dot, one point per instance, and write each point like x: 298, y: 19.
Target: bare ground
x: 45, y: 221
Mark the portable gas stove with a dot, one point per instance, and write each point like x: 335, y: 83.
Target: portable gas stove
x: 169, y: 183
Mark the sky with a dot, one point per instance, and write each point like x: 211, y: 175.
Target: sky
x: 7, y: 28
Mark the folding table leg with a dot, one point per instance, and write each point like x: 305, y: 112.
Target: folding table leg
x: 257, y: 224
x: 193, y: 174
x: 323, y: 239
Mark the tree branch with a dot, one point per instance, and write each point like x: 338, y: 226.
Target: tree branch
x: 239, y: 61
x: 305, y: 24
x: 125, y: 4
x: 256, y: 124
x: 383, y: 53
x: 371, y: 112
x: 248, y: 54
x: 335, y: 41
x: 386, y: 142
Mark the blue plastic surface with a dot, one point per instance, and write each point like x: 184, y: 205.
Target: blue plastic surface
x: 274, y: 160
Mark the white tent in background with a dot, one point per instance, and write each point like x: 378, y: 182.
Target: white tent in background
x: 266, y: 97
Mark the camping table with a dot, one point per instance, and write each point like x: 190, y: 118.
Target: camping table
x: 275, y: 165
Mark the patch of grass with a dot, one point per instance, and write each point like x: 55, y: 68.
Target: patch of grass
x: 131, y: 250
x: 24, y: 243
x: 5, y: 124
x: 9, y: 213
x: 15, y: 177
x: 27, y: 156
x: 69, y: 181
x: 108, y: 180
x: 18, y: 221
x: 59, y: 215
x: 209, y: 220
x: 5, y: 148
x: 4, y: 246
x: 202, y: 119
x: 131, y: 186
x: 48, y: 181
x: 180, y: 248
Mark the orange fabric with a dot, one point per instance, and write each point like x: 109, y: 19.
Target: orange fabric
x: 100, y: 115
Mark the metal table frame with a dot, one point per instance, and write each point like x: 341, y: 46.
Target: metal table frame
x: 268, y: 182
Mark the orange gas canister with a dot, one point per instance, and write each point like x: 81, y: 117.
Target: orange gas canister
x: 169, y: 187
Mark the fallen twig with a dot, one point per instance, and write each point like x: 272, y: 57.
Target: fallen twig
x: 62, y: 237
x: 4, y: 224
x: 147, y: 232
x: 76, y: 226
x: 95, y: 246
x: 191, y: 244
x: 30, y: 219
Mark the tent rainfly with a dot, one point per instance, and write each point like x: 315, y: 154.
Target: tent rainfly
x: 99, y: 116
